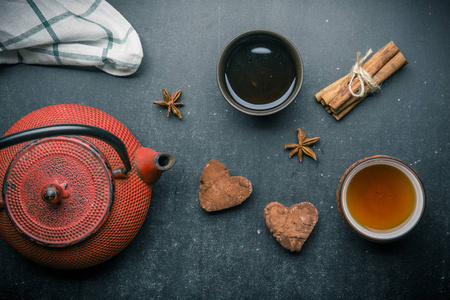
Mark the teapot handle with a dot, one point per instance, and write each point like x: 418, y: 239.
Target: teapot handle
x: 69, y: 129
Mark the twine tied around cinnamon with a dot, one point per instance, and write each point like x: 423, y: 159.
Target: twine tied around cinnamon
x: 363, y: 76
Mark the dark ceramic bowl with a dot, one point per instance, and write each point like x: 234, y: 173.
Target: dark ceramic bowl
x: 260, y: 109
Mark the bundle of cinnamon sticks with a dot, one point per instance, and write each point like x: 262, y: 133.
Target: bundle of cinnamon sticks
x: 337, y: 98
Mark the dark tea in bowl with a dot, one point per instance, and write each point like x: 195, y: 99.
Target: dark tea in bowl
x: 381, y: 198
x: 260, y: 72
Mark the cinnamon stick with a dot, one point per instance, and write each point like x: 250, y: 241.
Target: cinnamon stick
x: 319, y: 95
x: 336, y: 97
x: 342, y: 113
x: 395, y: 64
x: 372, y: 66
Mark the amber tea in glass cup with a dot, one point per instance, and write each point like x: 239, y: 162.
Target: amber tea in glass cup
x: 381, y: 198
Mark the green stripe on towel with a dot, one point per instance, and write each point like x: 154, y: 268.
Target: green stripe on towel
x: 51, y: 21
x: 83, y: 57
x: 48, y: 27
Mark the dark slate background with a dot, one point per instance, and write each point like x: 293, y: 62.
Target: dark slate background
x: 185, y: 252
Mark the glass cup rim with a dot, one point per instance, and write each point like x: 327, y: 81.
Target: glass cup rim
x: 389, y: 234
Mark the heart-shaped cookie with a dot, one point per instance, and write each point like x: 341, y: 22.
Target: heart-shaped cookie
x: 291, y: 226
x: 218, y: 190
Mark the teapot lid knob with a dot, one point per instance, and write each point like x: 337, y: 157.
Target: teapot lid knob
x: 54, y: 192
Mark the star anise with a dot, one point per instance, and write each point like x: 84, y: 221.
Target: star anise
x: 169, y: 102
x: 303, y: 146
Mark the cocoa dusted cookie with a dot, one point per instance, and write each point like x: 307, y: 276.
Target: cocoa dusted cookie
x: 291, y: 226
x: 218, y: 190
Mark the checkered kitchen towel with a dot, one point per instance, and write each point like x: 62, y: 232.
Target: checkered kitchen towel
x: 68, y: 32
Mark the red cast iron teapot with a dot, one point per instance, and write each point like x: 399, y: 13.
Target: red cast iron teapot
x: 71, y: 197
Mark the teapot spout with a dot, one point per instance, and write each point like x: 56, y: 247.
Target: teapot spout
x: 151, y: 164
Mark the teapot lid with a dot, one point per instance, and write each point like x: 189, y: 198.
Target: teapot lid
x: 58, y: 191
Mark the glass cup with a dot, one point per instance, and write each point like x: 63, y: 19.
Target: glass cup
x: 381, y: 235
